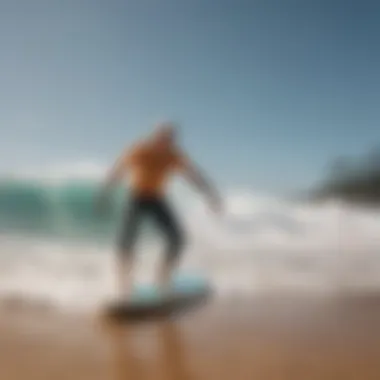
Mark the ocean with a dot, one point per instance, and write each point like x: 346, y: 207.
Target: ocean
x: 56, y: 251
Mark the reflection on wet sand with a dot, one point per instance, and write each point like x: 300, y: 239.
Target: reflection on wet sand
x: 173, y: 359
x: 125, y: 363
x: 271, y: 339
x: 167, y: 362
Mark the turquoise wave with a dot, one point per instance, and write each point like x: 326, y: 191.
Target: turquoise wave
x: 67, y: 210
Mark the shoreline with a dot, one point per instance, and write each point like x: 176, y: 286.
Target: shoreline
x: 262, y: 337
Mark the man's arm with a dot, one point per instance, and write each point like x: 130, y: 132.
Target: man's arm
x: 114, y: 175
x: 195, y: 176
x: 116, y: 172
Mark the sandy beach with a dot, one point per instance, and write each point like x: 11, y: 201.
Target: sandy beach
x: 256, y: 338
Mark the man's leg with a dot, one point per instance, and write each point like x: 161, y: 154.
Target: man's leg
x: 125, y: 257
x: 169, y: 225
x: 124, y: 267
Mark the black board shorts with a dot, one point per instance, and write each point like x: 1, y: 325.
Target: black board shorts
x: 158, y: 210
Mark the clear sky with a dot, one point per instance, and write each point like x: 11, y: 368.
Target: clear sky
x: 267, y: 91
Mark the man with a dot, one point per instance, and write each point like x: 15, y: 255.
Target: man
x: 150, y: 163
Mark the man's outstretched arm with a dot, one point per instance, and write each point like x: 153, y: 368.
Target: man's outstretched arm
x: 114, y: 175
x: 198, y: 179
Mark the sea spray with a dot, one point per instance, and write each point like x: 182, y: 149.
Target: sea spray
x: 55, y: 249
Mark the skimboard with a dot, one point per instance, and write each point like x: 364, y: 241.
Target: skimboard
x: 188, y: 292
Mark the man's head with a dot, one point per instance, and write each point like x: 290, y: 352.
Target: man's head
x: 165, y: 134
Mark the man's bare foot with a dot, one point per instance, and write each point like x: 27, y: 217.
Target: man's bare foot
x: 164, y: 281
x: 165, y: 289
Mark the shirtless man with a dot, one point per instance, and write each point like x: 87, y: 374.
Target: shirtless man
x: 150, y: 163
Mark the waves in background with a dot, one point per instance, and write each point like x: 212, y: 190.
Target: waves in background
x: 64, y: 210
x: 54, y: 249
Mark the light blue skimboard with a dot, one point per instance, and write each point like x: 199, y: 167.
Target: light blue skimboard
x: 188, y: 291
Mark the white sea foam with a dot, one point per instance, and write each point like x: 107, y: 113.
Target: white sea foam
x: 260, y: 244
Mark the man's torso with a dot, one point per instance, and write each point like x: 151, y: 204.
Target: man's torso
x: 150, y: 167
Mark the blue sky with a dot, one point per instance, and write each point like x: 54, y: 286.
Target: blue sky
x: 267, y: 92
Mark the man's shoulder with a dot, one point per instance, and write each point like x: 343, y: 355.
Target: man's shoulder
x: 136, y: 147
x: 178, y: 151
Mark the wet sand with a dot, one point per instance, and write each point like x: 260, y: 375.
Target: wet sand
x: 262, y: 338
